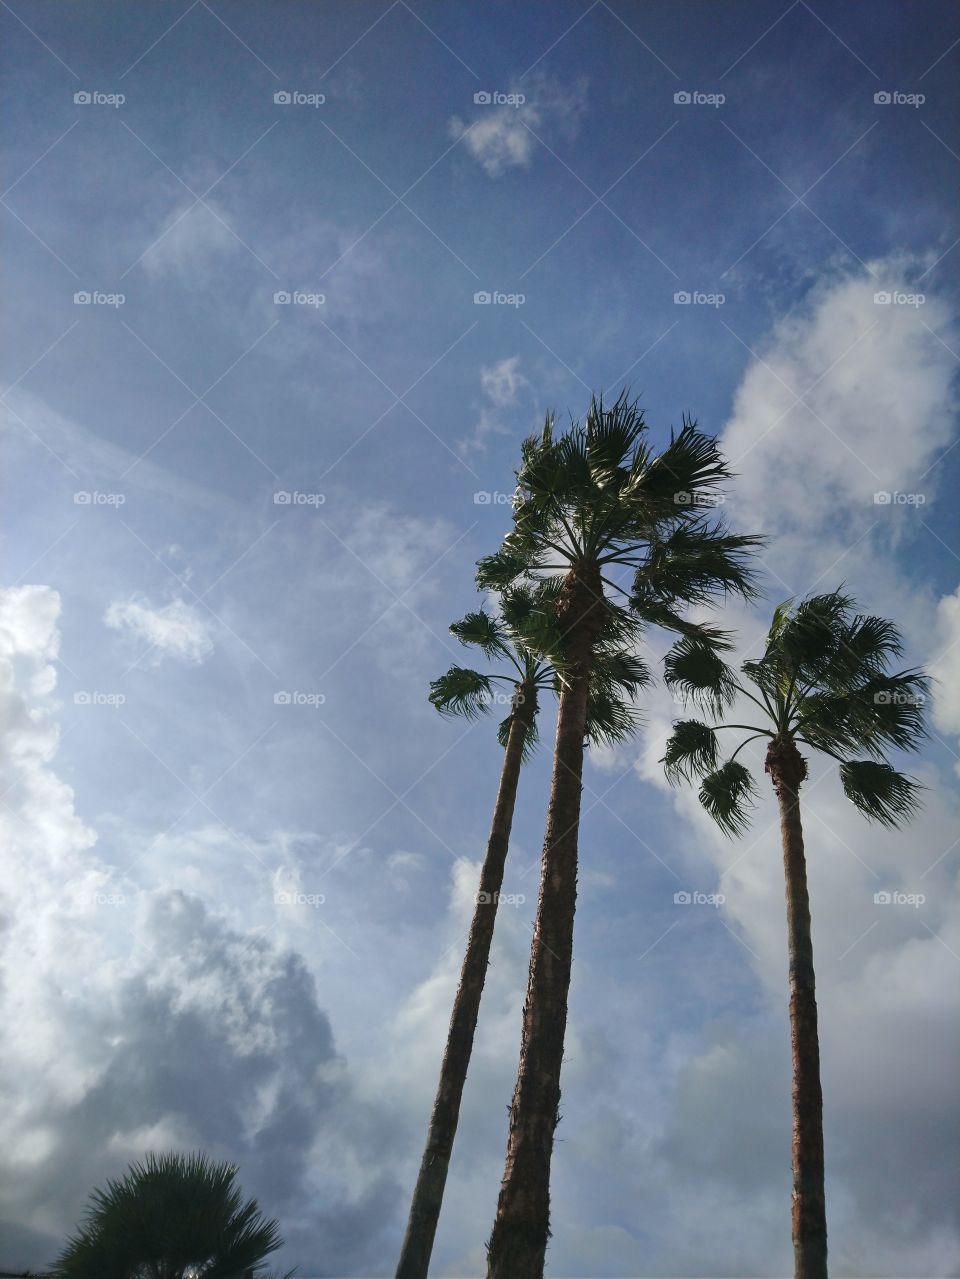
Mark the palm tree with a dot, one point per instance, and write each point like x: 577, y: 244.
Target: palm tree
x: 823, y: 682
x: 172, y: 1216
x: 520, y: 639
x: 592, y: 502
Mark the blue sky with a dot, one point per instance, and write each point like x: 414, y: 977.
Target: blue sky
x: 170, y: 828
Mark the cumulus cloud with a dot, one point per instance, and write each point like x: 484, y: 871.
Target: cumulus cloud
x: 143, y: 1020
x: 880, y: 398
x: 502, y: 137
x: 176, y: 630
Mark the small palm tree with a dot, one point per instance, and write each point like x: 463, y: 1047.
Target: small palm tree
x: 172, y: 1216
x: 525, y: 631
x: 823, y: 682
x: 593, y: 502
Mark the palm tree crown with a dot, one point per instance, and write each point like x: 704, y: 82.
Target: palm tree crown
x: 170, y: 1217
x: 823, y: 681
x: 597, y: 500
x: 527, y: 638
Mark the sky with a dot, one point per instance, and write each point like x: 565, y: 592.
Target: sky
x: 287, y: 285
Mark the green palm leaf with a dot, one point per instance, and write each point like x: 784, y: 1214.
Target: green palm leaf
x: 879, y: 791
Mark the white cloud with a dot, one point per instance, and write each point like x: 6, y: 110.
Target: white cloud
x: 886, y: 977
x: 502, y: 137
x: 190, y: 241
x: 876, y: 383
x: 945, y: 665
x: 500, y: 384
x: 141, y: 1019
x: 175, y: 630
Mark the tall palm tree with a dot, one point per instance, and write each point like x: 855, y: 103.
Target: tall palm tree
x: 592, y: 502
x: 823, y: 682
x: 519, y: 640
x: 172, y: 1216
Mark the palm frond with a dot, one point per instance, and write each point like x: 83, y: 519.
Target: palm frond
x: 483, y: 631
x: 690, y: 470
x: 694, y: 563
x: 727, y: 795
x: 460, y: 691
x: 611, y: 718
x: 692, y: 750
x: 695, y: 669
x: 879, y: 791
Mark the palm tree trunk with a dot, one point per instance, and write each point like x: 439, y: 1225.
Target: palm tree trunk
x: 521, y: 1229
x: 787, y: 770
x: 428, y: 1193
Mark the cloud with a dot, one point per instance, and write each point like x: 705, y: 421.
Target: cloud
x: 143, y: 1020
x: 881, y: 397
x: 190, y: 241
x: 503, y: 137
x: 500, y: 384
x: 176, y: 630
x: 875, y: 397
x: 945, y: 665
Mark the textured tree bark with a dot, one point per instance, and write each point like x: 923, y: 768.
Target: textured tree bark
x: 428, y: 1193
x: 787, y: 770
x: 518, y: 1242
